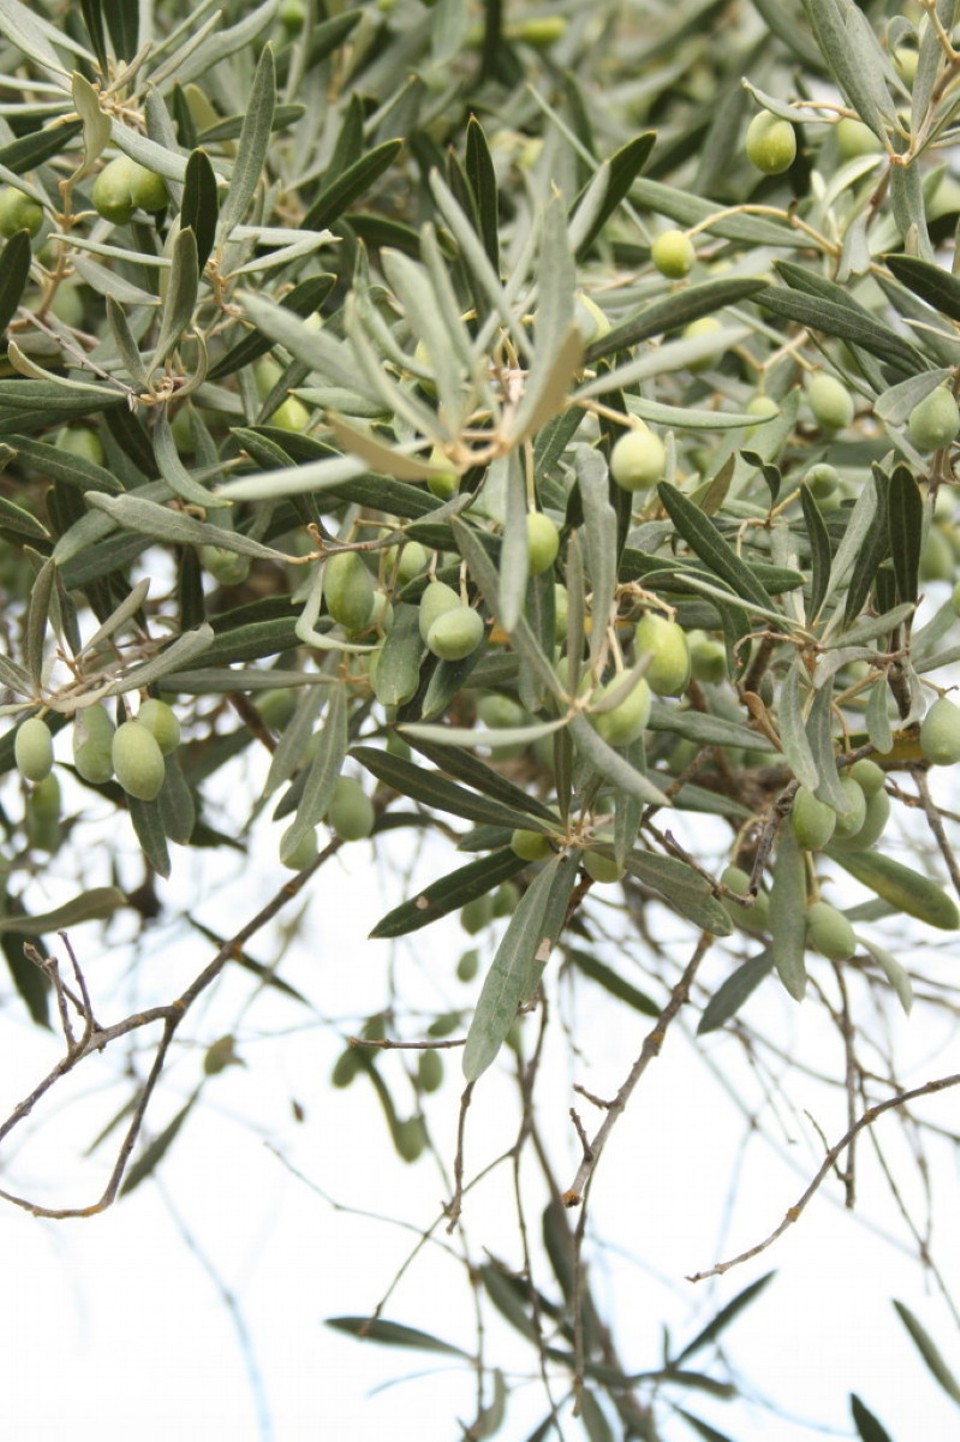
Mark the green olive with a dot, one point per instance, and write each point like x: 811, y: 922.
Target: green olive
x: 669, y: 669
x: 477, y: 913
x: 813, y: 821
x: 638, y: 459
x: 850, y: 821
x: 412, y: 561
x: 543, y: 542
x: 755, y: 918
x: 18, y: 212
x: 437, y: 598
x: 940, y: 733
x: 33, y: 749
x: 138, y: 761
x: 708, y: 657
x: 469, y: 964
x: 43, y: 814
x: 227, y: 567
x: 303, y: 853
x: 530, y: 845
x: 868, y: 776
x: 829, y: 932
x: 455, y: 634
x: 349, y: 590
x: 831, y: 403
x: 855, y: 139
x: 123, y: 186
x: 673, y: 254
x: 351, y: 813
x: 93, y: 744
x: 628, y: 719
x: 934, y: 421
x: 430, y: 1070
x: 771, y: 143
x: 161, y: 720
x: 602, y: 869
x: 823, y: 481
x: 81, y: 441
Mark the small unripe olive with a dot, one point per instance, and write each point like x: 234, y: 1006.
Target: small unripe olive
x: 455, y: 634
x: 940, y: 733
x: 561, y: 610
x: 161, y: 720
x: 348, y: 587
x: 44, y: 801
x: 430, y: 1070
x: 822, y: 481
x: 412, y: 561
x: 669, y: 670
x: 81, y: 441
x: 638, y: 459
x: 543, y: 542
x: 33, y: 749
x: 227, y: 567
x: 477, y: 914
x: 906, y: 58
x: 530, y: 845
x: 705, y: 325
x: 868, y: 775
x: 138, y: 761
x: 409, y: 1138
x: 813, y: 822
x: 540, y: 30
x: 762, y: 406
x: 673, y: 253
x: 936, y: 557
x: 602, y: 869
x: 498, y: 711
x: 849, y: 822
x: 506, y: 899
x: 468, y: 965
x: 708, y: 657
x: 351, y: 813
x: 93, y: 744
x: 276, y: 707
x: 18, y: 212
x: 854, y: 139
x: 290, y: 415
x: 934, y: 421
x: 445, y: 482
x: 829, y: 932
x: 755, y: 918
x: 437, y: 598
x: 830, y: 401
x: 302, y: 854
x: 123, y: 186
x: 628, y: 720
x: 874, y: 824
x: 771, y: 143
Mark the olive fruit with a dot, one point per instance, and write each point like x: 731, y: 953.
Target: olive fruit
x: 81, y: 441
x: 18, y: 212
x: 123, y: 186
x: 43, y: 814
x: 351, y: 813
x: 437, y: 598
x: 468, y: 965
x: 411, y: 562
x: 477, y: 913
x: 161, y: 720
x: 829, y: 932
x: 498, y: 711
x: 602, y: 869
x: 93, y: 744
x: 771, y: 143
x: 813, y: 822
x: 302, y: 854
x: 543, y: 542
x: 430, y: 1070
x: 822, y: 481
x: 638, y: 459
x: 345, y: 1068
x: 934, y: 421
x: 348, y: 587
x: 673, y: 254
x: 138, y: 760
x: 409, y: 1138
x: 561, y: 610
x: 868, y: 776
x: 940, y: 733
x: 455, y: 634
x: 506, y: 899
x: 291, y: 415
x: 276, y: 707
x: 708, y: 657
x: 627, y: 721
x: 831, y: 402
x: 444, y: 482
x: 530, y: 845
x: 874, y: 824
x: 669, y: 670
x: 705, y: 325
x: 854, y: 138
x: 227, y: 567
x: 850, y: 821
x: 33, y: 749
x: 755, y: 918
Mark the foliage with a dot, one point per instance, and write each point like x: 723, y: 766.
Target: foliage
x: 379, y: 285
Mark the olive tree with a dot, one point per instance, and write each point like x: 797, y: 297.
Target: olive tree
x: 527, y: 438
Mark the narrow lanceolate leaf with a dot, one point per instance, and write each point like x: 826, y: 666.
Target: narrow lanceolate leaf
x: 181, y: 298
x: 136, y: 514
x: 608, y: 188
x: 349, y: 185
x: 844, y: 322
x: 930, y: 282
x: 796, y: 746
x: 724, y: 1317
x: 450, y: 893
x: 393, y: 1334
x: 820, y: 736
x: 905, y: 524
x: 476, y: 773
x: 819, y: 553
x: 702, y: 536
x: 153, y: 1154
x: 732, y: 993
x: 612, y: 981
x: 521, y: 956
x: 433, y: 790
x: 199, y: 207
x: 94, y: 905
x: 599, y: 539
x: 252, y: 146
x: 175, y: 473
x: 41, y: 597
x: 96, y: 125
x: 683, y: 889
x: 896, y: 974
x: 929, y: 1351
x: 514, y: 559
x: 322, y: 775
x: 483, y: 182
x: 611, y: 764
x: 14, y: 270
x: 866, y: 1424
x: 125, y: 342
x: 674, y: 312
x: 788, y: 914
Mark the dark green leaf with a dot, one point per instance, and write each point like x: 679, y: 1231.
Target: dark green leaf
x: 844, y: 321
x: 450, y: 893
x: 866, y: 1424
x: 476, y: 773
x: 483, y: 183
x: 683, y: 889
x: 393, y: 1334
x: 732, y: 994
x: 93, y: 905
x: 199, y: 208
x: 39, y: 146
x: 724, y: 1317
x: 611, y: 981
x: 93, y: 20
x: 820, y: 554
x: 930, y: 282
x: 621, y: 170
x: 30, y: 982
x: 148, y: 825
x: 123, y: 22
x: 302, y: 300
x: 252, y: 146
x: 14, y: 270
x: 348, y: 187
x: 674, y: 311
x: 788, y: 914
x: 905, y: 523
x: 432, y: 789
x: 154, y: 1153
x: 704, y: 1429
x: 929, y: 1351
x: 702, y: 536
